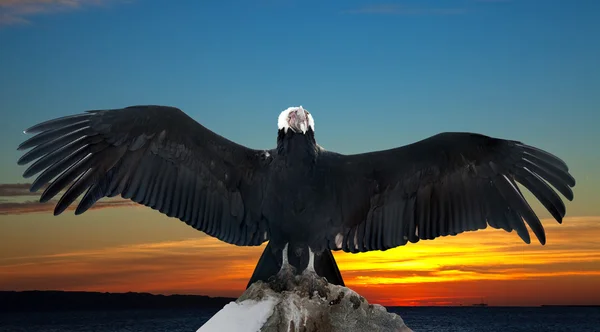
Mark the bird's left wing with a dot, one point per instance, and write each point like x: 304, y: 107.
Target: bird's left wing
x: 156, y: 156
x: 443, y: 185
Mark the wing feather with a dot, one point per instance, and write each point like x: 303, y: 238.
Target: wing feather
x: 156, y: 156
x: 445, y: 185
x: 52, y: 134
x: 57, y: 123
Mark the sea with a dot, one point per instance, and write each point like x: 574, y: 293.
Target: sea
x: 440, y: 319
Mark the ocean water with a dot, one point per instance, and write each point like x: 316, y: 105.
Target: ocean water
x: 442, y: 319
x: 501, y: 319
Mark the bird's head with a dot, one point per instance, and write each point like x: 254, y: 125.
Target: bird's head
x: 296, y: 119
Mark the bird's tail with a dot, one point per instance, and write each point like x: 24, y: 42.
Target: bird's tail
x: 270, y: 263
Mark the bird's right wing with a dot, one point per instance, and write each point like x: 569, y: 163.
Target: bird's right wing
x: 156, y: 156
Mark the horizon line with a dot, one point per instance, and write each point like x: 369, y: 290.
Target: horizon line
x: 462, y: 305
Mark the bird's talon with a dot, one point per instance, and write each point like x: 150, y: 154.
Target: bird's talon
x: 284, y: 279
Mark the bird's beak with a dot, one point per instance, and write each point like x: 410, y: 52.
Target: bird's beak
x: 303, y: 127
x: 299, y: 121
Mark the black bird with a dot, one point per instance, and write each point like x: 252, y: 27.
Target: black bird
x: 301, y: 198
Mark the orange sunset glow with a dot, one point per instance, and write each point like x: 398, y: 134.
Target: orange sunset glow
x: 123, y: 249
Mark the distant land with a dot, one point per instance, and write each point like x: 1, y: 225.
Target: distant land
x: 13, y: 301
x: 572, y: 305
x: 69, y: 300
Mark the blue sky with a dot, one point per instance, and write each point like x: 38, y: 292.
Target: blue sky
x: 374, y: 74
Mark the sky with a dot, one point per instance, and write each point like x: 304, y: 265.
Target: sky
x: 374, y: 75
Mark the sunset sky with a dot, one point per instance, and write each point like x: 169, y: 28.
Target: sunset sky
x: 374, y: 75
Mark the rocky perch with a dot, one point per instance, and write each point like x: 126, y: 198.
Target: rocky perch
x: 330, y: 308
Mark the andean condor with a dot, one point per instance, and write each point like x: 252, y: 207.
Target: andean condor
x: 301, y: 198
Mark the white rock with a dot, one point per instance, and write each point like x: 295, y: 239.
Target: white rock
x: 248, y: 315
x: 260, y: 308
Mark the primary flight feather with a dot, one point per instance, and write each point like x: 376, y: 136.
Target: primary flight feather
x: 301, y: 198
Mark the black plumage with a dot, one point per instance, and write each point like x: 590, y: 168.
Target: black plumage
x: 297, y: 195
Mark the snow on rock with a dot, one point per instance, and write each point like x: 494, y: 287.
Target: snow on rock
x: 262, y: 309
x: 244, y: 316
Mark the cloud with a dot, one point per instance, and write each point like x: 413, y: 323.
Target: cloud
x: 15, y: 199
x: 12, y: 208
x: 203, y: 265
x: 405, y: 10
x: 452, y: 270
x: 18, y: 11
x: 470, y: 263
x: 16, y: 189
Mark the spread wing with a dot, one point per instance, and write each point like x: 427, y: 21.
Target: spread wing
x: 443, y: 185
x: 156, y: 156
